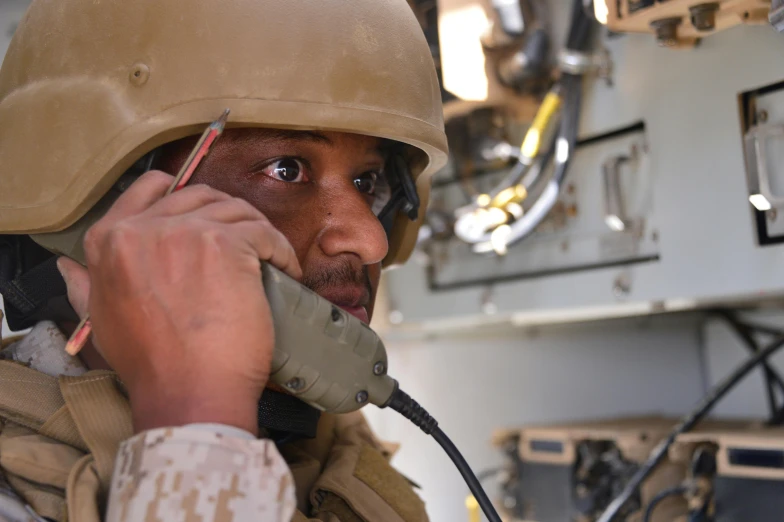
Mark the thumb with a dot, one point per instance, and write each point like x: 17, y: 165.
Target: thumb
x: 78, y: 282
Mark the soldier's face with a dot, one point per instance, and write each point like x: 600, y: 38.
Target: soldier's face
x: 322, y: 190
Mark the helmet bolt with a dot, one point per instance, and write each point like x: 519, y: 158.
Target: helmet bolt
x: 379, y: 368
x: 139, y: 74
x: 335, y: 314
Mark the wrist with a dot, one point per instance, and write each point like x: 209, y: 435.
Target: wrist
x: 161, y: 409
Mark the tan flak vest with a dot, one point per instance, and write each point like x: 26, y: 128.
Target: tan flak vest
x: 60, y: 436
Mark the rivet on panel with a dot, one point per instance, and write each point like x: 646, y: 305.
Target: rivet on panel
x: 139, y: 74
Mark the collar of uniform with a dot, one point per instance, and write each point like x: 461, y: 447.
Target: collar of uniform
x: 43, y: 349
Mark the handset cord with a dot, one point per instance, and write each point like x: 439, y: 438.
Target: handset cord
x: 402, y: 403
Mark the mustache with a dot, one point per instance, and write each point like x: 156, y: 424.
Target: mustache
x: 340, y: 274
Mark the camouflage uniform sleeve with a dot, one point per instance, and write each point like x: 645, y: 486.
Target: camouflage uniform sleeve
x: 196, y: 473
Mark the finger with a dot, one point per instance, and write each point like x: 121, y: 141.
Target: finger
x: 141, y: 195
x: 77, y: 280
x: 270, y: 245
x: 231, y: 210
x: 186, y: 200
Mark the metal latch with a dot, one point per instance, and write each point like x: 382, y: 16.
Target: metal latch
x: 614, y: 207
x: 761, y: 196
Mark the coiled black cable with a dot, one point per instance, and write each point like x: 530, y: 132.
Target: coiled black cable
x: 660, y: 496
x: 402, y: 403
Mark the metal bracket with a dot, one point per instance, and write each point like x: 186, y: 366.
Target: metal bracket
x: 756, y: 139
x: 575, y: 62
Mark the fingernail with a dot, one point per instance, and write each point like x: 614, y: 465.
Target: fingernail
x: 60, y: 267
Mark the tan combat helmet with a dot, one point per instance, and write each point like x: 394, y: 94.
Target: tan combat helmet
x: 87, y: 88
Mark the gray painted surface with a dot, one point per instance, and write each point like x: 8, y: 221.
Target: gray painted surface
x: 707, y: 240
x: 476, y: 383
x: 724, y: 351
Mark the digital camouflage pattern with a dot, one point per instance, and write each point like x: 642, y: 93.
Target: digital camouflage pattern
x: 185, y: 474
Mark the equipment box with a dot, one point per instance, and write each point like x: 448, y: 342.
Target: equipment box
x: 571, y: 472
x: 748, y: 462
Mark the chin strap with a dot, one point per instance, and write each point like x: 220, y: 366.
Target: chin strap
x: 404, y: 198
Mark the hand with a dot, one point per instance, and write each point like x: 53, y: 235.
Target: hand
x: 177, y: 304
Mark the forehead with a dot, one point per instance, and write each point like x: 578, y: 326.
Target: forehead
x: 258, y: 137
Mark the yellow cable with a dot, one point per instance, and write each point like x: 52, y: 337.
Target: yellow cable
x: 473, y: 509
x: 514, y: 194
x: 533, y: 138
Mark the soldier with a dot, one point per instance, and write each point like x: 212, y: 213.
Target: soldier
x: 335, y: 105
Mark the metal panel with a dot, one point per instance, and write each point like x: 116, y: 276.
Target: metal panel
x: 546, y: 491
x: 744, y: 499
x: 576, y: 236
x: 689, y: 101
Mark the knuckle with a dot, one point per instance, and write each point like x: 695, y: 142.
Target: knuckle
x: 215, y: 245
x: 266, y: 227
x: 156, y: 178
x: 214, y: 236
x: 120, y: 236
x: 93, y: 237
x: 247, y: 207
x: 202, y: 193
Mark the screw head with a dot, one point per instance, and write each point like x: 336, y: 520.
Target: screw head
x: 295, y: 384
x: 379, y: 368
x: 362, y: 397
x: 139, y: 74
x: 621, y: 287
x: 335, y: 314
